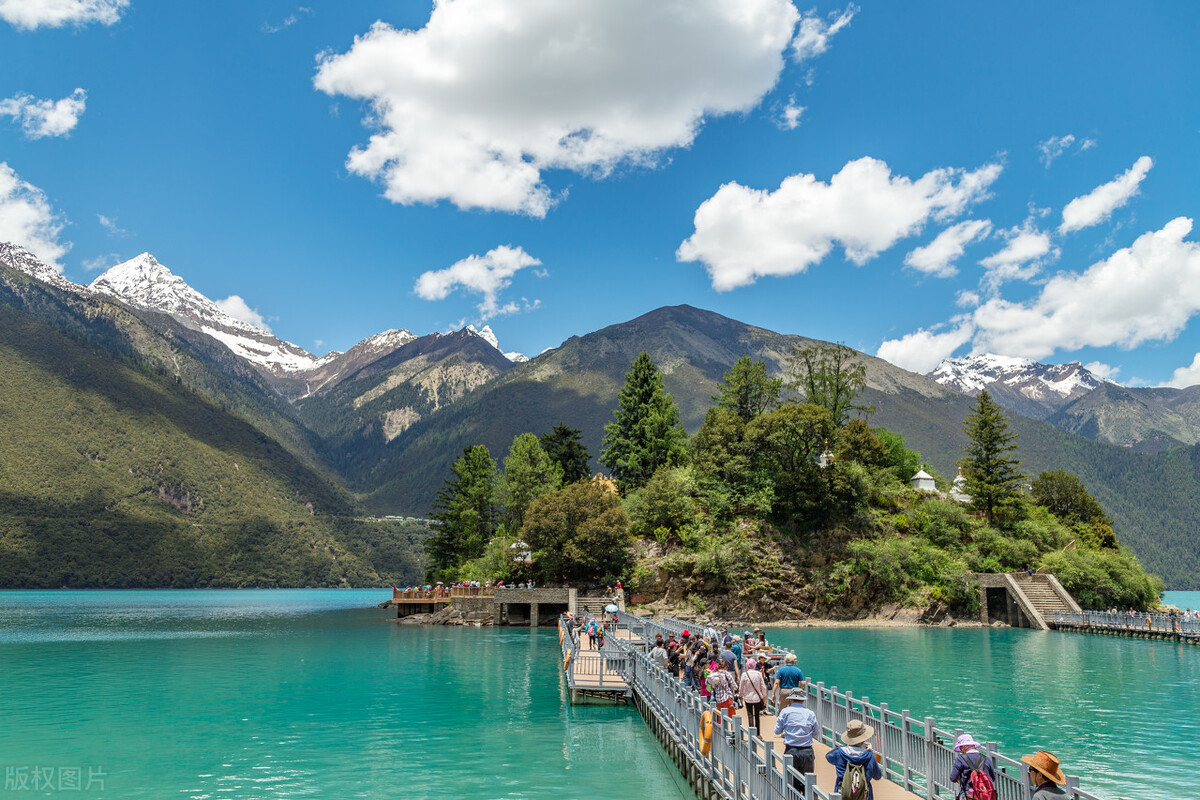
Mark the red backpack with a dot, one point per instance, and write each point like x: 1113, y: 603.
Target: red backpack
x: 979, y: 785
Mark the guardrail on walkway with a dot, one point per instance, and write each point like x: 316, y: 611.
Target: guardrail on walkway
x: 1138, y: 623
x: 442, y: 593
x: 587, y: 670
x: 915, y: 753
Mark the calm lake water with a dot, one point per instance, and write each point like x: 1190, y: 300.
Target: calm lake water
x: 312, y: 693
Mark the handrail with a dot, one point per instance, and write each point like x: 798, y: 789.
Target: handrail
x: 1123, y: 621
x: 915, y: 753
x: 442, y: 593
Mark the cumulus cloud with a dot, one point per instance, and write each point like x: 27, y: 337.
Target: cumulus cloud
x: 812, y: 38
x: 1098, y: 205
x: 1186, y: 376
x: 937, y: 258
x: 475, y: 105
x: 743, y: 233
x: 31, y: 14
x: 922, y: 350
x: 1022, y: 256
x: 239, y: 309
x: 789, y: 117
x: 487, y: 275
x: 1142, y: 293
x: 27, y: 219
x: 1105, y: 372
x: 39, y: 118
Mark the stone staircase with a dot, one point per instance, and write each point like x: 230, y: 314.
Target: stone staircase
x: 1041, y: 593
x: 1021, y: 599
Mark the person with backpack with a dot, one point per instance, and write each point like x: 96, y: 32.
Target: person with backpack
x: 855, y: 762
x: 972, y: 770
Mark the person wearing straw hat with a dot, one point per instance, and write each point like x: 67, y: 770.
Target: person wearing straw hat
x: 854, y: 754
x: 798, y: 725
x: 968, y: 759
x: 1046, y: 775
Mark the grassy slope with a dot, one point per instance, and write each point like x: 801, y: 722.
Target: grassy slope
x: 115, y: 474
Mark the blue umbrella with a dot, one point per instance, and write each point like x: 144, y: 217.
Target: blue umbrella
x: 610, y: 608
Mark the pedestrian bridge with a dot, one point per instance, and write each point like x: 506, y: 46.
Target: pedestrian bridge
x: 914, y: 753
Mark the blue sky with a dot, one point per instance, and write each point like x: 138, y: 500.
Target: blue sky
x: 898, y: 177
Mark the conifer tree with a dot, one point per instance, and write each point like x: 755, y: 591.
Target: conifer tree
x: 748, y: 390
x: 647, y: 433
x: 991, y: 473
x: 529, y: 473
x: 464, y: 512
x: 565, y: 446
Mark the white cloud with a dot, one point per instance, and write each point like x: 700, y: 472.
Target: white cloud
x: 1054, y: 147
x: 1103, y: 371
x: 937, y: 258
x: 102, y: 262
x: 288, y: 21
x: 41, y: 118
x: 239, y: 309
x: 31, y: 14
x: 812, y: 39
x: 1022, y: 256
x: 1186, y: 376
x: 487, y: 275
x: 743, y: 233
x: 27, y: 219
x: 789, y: 118
x: 923, y: 350
x: 1098, y: 205
x: 1087, y: 144
x: 110, y: 224
x: 472, y: 107
x: 967, y: 298
x: 1142, y: 293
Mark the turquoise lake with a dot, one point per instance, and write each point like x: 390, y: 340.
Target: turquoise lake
x: 314, y: 693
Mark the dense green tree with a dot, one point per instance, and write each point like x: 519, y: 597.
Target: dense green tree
x: 1065, y: 496
x: 579, y: 534
x: 529, y: 473
x: 465, y: 511
x: 647, y: 433
x: 748, y: 390
x: 900, y: 458
x: 565, y: 446
x: 992, y: 477
x: 786, y: 444
x: 829, y: 376
x: 663, y: 506
x: 857, y: 442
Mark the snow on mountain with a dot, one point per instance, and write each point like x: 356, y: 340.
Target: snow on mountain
x: 386, y: 341
x: 489, y: 336
x: 22, y: 260
x: 1047, y: 386
x: 144, y: 283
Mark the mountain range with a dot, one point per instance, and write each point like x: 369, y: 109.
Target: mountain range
x: 386, y: 418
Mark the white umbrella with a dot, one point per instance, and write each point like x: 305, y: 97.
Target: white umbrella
x: 610, y: 608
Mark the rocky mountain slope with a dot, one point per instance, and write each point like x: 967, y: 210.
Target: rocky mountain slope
x: 1143, y: 419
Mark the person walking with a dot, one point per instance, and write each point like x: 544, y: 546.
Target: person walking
x: 798, y: 724
x: 1046, y: 775
x: 787, y: 677
x: 968, y: 760
x: 730, y: 660
x: 753, y: 689
x: 855, y: 757
x: 722, y: 688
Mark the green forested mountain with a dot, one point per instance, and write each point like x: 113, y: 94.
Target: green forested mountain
x: 113, y: 472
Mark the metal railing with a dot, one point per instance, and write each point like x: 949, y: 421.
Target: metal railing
x: 442, y: 593
x: 1123, y: 621
x: 913, y: 751
x: 602, y: 670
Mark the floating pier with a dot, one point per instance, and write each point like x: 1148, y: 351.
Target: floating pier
x: 1137, y: 626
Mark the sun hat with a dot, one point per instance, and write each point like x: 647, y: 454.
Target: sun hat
x: 963, y: 742
x: 797, y: 694
x: 1046, y: 763
x: 686, y: 633
x: 790, y: 658
x: 857, y: 731
x: 746, y: 634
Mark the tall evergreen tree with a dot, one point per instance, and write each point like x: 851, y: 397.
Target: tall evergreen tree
x: 748, y: 390
x: 565, y: 446
x: 529, y: 473
x: 647, y: 433
x: 991, y: 473
x: 464, y: 512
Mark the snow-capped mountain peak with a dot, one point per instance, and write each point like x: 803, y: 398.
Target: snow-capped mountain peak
x: 24, y: 261
x: 489, y: 336
x: 1049, y: 386
x: 388, y: 340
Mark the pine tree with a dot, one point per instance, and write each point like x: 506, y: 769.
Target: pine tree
x: 992, y: 476
x: 565, y: 446
x: 529, y: 473
x: 748, y: 390
x: 464, y: 511
x: 647, y: 433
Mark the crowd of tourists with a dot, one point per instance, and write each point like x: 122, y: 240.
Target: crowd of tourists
x: 745, y: 672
